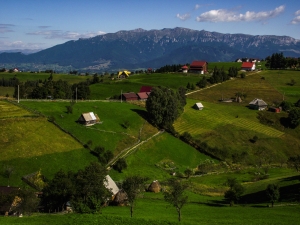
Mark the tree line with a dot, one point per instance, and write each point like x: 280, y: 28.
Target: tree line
x: 279, y: 61
x: 52, y: 89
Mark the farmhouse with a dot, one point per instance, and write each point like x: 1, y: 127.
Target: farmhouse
x: 130, y: 96
x: 198, y: 106
x: 248, y: 66
x: 123, y: 74
x: 88, y: 119
x: 258, y: 104
x: 8, y: 207
x: 198, y: 67
x: 184, y: 69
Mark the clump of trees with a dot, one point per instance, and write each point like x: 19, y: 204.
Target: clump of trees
x: 169, y: 68
x: 165, y: 105
x: 278, y: 61
x: 85, y: 189
x: 273, y: 193
x: 56, y: 89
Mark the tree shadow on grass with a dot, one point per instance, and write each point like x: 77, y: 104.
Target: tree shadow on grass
x: 215, y: 203
x: 142, y: 113
x: 290, y: 193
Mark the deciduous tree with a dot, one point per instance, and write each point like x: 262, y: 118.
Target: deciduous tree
x: 273, y: 193
x: 175, y: 195
x: 133, y: 186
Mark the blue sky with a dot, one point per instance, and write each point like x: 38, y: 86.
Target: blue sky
x: 40, y: 24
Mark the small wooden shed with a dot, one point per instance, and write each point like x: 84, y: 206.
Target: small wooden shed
x: 198, y: 106
x: 88, y: 119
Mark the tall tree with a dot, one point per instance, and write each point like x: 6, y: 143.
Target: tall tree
x: 175, y: 195
x: 273, y: 193
x: 164, y: 106
x: 133, y: 186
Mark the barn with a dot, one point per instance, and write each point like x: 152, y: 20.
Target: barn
x: 248, y: 66
x: 198, y: 67
x: 130, y: 96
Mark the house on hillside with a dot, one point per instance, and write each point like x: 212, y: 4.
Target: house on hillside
x: 130, y: 96
x: 123, y: 74
x: 258, y: 104
x: 184, y: 69
x: 198, y: 67
x: 11, y: 194
x: 248, y: 66
x: 198, y: 106
x: 88, y: 119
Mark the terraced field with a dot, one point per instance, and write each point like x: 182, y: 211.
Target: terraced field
x: 217, y: 115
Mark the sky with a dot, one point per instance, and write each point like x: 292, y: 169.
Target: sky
x: 40, y: 24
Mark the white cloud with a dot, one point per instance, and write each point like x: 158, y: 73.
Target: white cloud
x: 296, y: 19
x: 5, y: 28
x: 10, y: 45
x: 183, y: 16
x: 197, y: 7
x: 58, y: 34
x: 223, y: 15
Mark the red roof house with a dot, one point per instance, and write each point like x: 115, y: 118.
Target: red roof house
x: 146, y: 89
x: 131, y: 96
x: 248, y: 66
x: 198, y: 67
x: 142, y: 95
x: 184, y: 69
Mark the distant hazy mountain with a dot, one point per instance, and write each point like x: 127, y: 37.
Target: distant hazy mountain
x: 155, y: 48
x: 24, y: 51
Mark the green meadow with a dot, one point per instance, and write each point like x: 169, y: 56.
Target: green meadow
x: 29, y: 142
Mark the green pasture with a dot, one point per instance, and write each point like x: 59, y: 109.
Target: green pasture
x: 110, y: 88
x: 109, y: 133
x: 280, y: 80
x: 29, y: 143
x: 159, y: 157
x: 6, y: 90
x: 217, y: 115
x: 25, y: 76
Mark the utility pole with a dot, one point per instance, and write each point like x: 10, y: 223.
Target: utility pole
x: 121, y: 96
x: 18, y: 93
x: 76, y: 94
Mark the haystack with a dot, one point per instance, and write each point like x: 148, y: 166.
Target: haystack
x: 120, y: 198
x: 154, y: 187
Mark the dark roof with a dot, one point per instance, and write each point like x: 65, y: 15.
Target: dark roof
x: 145, y: 89
x: 198, y: 63
x: 8, y: 190
x: 247, y: 64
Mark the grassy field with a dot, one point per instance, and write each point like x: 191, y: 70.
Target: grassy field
x: 29, y: 143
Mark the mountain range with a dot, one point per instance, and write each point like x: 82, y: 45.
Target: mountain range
x: 136, y: 49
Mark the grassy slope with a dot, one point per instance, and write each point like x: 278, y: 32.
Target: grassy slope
x: 31, y: 143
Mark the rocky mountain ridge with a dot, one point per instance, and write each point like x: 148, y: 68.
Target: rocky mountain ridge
x: 140, y: 48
